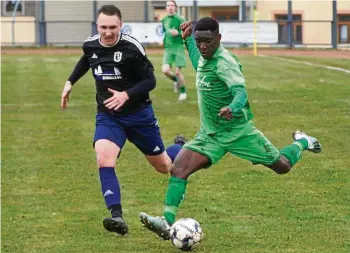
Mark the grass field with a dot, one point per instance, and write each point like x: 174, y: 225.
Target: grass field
x: 51, y: 199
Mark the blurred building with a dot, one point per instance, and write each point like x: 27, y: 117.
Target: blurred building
x: 312, y: 20
x: 69, y: 22
x: 220, y: 10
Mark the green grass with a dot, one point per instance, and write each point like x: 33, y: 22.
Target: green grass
x: 51, y: 199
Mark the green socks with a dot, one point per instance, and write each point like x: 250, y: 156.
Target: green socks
x: 174, y: 196
x: 174, y: 78
x: 183, y: 89
x: 293, y: 151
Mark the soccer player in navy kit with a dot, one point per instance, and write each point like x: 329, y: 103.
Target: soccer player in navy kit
x: 124, y: 77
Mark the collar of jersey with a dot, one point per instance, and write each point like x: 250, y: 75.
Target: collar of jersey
x: 99, y: 40
x: 217, y: 52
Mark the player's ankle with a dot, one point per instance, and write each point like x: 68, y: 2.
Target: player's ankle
x: 116, y: 211
x: 169, y: 217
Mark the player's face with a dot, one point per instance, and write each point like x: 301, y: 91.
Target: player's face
x: 207, y: 42
x: 109, y: 28
x: 170, y: 7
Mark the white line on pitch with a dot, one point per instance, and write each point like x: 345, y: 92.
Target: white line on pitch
x: 308, y: 63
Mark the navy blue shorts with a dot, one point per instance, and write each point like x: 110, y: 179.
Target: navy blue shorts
x: 140, y: 127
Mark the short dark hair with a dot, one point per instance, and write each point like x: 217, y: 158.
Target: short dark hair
x: 207, y: 23
x: 110, y: 10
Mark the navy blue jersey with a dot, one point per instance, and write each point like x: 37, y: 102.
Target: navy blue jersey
x: 119, y: 67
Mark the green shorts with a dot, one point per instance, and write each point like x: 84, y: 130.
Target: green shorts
x: 244, y: 141
x: 174, y: 56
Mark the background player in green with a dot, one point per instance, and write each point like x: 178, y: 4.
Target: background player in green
x: 226, y: 123
x: 174, y: 52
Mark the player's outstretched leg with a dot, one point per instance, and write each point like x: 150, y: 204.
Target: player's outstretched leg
x: 156, y: 224
x: 116, y: 224
x: 313, y: 144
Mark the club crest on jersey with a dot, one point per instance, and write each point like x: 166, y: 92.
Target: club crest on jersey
x: 117, y: 56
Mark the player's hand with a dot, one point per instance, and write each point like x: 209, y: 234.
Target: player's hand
x: 174, y: 32
x: 117, y: 100
x: 186, y: 28
x: 226, y: 113
x: 65, y: 94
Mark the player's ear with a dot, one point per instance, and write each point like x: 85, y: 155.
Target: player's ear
x: 219, y: 37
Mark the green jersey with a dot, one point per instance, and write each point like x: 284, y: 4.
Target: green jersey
x: 218, y: 80
x: 172, y: 23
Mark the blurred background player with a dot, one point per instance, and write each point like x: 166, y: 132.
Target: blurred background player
x: 124, y: 77
x: 226, y: 123
x: 174, y: 52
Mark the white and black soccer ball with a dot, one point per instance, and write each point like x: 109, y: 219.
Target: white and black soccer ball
x: 186, y: 234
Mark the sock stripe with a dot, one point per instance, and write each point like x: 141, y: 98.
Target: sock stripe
x: 170, y: 209
x: 299, y: 145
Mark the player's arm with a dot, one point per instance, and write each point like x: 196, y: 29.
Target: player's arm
x: 178, y: 28
x: 192, y: 51
x: 147, y: 79
x: 147, y: 82
x: 229, y: 72
x: 190, y: 43
x: 80, y: 69
x: 240, y: 99
x: 164, y: 31
x: 119, y: 98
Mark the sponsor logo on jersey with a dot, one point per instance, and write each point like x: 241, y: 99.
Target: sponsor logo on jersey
x: 202, y: 84
x: 107, y: 75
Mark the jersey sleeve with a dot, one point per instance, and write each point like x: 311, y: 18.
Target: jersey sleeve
x: 181, y: 20
x: 229, y: 71
x: 192, y: 51
x: 146, y: 80
x: 142, y: 65
x: 80, y: 68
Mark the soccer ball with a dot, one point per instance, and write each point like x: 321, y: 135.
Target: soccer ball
x: 186, y: 234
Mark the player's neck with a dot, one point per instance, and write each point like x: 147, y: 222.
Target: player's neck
x: 120, y: 34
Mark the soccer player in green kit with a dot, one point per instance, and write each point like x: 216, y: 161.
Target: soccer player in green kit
x: 174, y: 52
x: 226, y: 123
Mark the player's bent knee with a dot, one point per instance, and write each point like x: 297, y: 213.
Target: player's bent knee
x: 106, y: 153
x: 163, y: 168
x: 282, y: 170
x: 166, y: 69
x: 180, y: 172
x: 281, y: 166
x: 105, y: 161
x: 161, y: 162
